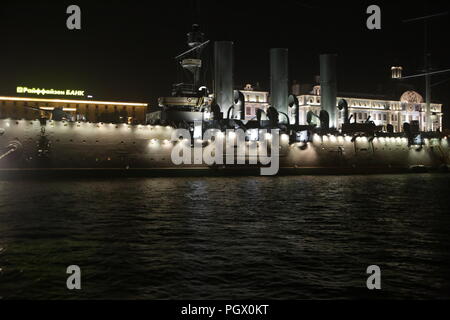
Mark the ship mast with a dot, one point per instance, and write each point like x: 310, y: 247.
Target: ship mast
x: 191, y: 61
x: 427, y: 73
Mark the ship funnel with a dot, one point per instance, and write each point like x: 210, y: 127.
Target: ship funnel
x: 328, y: 89
x: 279, y: 80
x: 223, y: 75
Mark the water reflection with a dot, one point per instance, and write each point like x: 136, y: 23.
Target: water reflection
x: 240, y: 237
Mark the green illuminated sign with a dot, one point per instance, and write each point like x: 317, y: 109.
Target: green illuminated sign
x: 39, y: 91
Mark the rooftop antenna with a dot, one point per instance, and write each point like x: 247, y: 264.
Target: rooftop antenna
x: 427, y: 73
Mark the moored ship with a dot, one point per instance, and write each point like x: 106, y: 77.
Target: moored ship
x: 323, y: 139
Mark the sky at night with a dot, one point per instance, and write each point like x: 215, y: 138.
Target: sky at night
x: 125, y: 49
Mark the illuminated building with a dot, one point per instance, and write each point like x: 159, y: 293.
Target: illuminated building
x: 254, y: 100
x: 410, y: 107
x: 30, y: 108
x: 396, y: 72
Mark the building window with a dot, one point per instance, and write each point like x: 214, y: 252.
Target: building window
x: 384, y: 117
x: 248, y: 111
x: 257, y: 98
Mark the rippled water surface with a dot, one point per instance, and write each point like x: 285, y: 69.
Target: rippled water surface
x: 296, y: 237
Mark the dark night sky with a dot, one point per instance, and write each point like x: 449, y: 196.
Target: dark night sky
x: 125, y: 48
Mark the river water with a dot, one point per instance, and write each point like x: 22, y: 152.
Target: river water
x: 291, y: 237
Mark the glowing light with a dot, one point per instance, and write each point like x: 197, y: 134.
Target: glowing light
x: 73, y: 101
x: 253, y: 134
x: 43, y: 91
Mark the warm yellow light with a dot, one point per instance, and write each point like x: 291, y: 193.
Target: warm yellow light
x: 39, y: 91
x: 73, y: 101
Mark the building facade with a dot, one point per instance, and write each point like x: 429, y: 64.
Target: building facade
x: 410, y: 107
x: 83, y: 110
x: 254, y: 100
